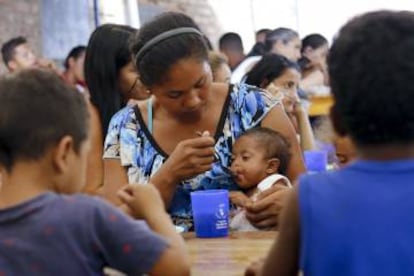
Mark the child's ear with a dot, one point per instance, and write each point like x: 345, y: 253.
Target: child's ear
x: 272, y: 166
x: 12, y: 65
x: 62, y: 154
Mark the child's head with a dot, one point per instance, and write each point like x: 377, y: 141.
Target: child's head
x: 371, y: 66
x: 258, y: 153
x: 43, y: 124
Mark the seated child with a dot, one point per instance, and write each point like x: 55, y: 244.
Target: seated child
x: 358, y: 220
x: 45, y: 229
x: 259, y: 159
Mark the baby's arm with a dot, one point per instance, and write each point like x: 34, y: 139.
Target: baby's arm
x: 239, y: 198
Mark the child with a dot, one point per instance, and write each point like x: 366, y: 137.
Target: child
x: 259, y: 158
x: 44, y: 228
x: 358, y: 220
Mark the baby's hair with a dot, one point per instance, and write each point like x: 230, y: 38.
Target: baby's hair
x: 274, y: 143
x: 38, y: 109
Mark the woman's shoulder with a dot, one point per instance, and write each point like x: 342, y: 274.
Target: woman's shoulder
x: 251, y: 98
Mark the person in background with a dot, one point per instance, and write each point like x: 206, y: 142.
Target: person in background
x: 112, y: 81
x: 17, y: 55
x: 281, y: 41
x: 180, y: 140
x: 43, y: 163
x: 358, y: 220
x: 259, y: 161
x: 258, y: 48
x: 74, y: 68
x: 231, y: 45
x: 314, y: 50
x: 280, y: 76
x: 219, y: 67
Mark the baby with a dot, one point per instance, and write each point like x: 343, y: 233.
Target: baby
x: 259, y: 158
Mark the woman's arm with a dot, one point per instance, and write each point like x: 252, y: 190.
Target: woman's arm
x: 277, y: 120
x: 307, y: 140
x: 94, y: 171
x: 115, y: 177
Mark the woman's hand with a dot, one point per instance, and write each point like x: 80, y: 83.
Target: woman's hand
x: 255, y: 267
x: 264, y: 212
x: 191, y: 157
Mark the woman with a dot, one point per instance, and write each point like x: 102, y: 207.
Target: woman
x: 281, y: 77
x: 112, y: 81
x: 180, y: 139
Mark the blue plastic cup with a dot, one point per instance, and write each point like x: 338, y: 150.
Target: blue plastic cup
x: 210, y: 213
x: 316, y: 160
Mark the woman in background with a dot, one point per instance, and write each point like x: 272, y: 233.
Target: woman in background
x: 112, y: 81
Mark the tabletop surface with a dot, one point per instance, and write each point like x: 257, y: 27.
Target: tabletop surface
x: 229, y: 255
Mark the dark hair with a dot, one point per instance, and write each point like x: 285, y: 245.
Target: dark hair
x: 38, y: 109
x: 274, y: 143
x: 75, y: 53
x: 106, y: 54
x: 259, y: 49
x: 154, y: 65
x: 371, y: 67
x: 263, y: 31
x: 231, y: 42
x: 7, y: 49
x: 280, y: 34
x: 313, y: 41
x: 270, y: 67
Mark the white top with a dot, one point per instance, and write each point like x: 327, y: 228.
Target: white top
x: 244, y: 67
x: 239, y: 221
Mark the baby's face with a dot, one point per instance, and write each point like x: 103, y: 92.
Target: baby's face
x: 248, y: 162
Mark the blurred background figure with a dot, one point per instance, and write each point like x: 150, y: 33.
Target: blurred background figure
x: 231, y: 45
x: 258, y: 48
x: 313, y: 61
x: 17, y: 55
x: 74, y: 66
x: 219, y: 67
x: 284, y: 42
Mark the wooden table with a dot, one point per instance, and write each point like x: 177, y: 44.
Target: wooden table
x: 230, y: 255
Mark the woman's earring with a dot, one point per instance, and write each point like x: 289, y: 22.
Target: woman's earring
x: 148, y: 91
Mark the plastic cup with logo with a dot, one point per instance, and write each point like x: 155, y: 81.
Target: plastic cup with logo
x: 316, y: 160
x: 210, y: 213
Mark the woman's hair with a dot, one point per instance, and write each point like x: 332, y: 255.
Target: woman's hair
x: 270, y: 67
x: 274, y: 143
x: 154, y: 63
x: 38, y: 110
x: 106, y: 54
x: 75, y: 53
x: 280, y: 34
x: 215, y: 59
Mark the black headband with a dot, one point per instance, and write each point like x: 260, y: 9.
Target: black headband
x: 164, y: 36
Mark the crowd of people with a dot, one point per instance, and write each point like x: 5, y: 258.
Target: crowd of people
x: 141, y: 118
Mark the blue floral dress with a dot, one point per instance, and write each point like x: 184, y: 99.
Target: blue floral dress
x: 130, y: 141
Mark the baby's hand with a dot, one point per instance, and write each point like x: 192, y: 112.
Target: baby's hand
x: 143, y: 200
x: 239, y: 198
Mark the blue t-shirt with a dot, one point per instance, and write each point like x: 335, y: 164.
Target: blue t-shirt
x: 358, y: 220
x: 54, y: 234
x: 130, y: 141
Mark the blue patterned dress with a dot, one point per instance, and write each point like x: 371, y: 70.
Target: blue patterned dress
x: 130, y: 141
